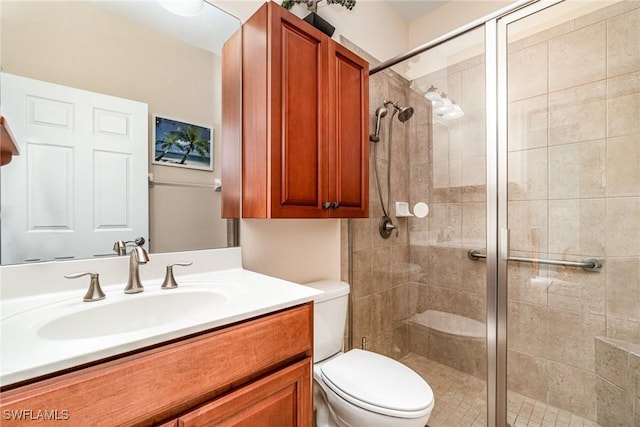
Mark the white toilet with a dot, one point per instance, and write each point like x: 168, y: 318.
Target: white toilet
x: 360, y: 388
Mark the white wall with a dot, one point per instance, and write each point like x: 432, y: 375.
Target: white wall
x: 450, y: 16
x: 300, y: 250
x: 373, y: 25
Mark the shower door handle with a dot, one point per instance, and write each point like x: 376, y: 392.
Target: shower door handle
x: 587, y: 264
x: 592, y: 264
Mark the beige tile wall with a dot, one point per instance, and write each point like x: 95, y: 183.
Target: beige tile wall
x: 450, y: 176
x: 383, y: 296
x: 617, y: 382
x: 425, y: 265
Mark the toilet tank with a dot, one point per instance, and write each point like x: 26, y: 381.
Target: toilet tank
x: 329, y: 317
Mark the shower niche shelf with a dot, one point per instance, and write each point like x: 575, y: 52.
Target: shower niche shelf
x: 305, y: 103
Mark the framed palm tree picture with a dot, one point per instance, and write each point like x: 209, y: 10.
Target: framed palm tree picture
x: 182, y: 144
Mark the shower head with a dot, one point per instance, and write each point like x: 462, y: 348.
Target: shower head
x: 380, y: 113
x: 404, y: 113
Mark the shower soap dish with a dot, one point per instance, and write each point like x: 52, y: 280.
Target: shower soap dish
x: 402, y: 210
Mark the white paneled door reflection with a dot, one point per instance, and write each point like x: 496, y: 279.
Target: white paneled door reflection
x: 80, y: 181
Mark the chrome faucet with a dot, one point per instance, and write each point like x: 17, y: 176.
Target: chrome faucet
x: 138, y: 256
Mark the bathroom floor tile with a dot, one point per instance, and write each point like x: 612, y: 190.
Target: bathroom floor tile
x: 461, y: 400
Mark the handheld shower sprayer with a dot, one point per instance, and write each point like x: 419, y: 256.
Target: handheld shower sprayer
x: 386, y: 225
x: 404, y: 114
x: 380, y: 113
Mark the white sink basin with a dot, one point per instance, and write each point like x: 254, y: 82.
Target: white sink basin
x: 134, y: 313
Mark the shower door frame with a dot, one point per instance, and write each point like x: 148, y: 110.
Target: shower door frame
x: 496, y: 50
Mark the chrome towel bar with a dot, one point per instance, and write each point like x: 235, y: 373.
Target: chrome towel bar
x: 587, y: 264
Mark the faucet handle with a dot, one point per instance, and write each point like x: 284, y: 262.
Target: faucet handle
x: 94, y: 293
x: 120, y: 246
x: 139, y: 241
x: 169, y: 279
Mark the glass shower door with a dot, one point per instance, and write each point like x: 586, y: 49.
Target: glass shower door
x: 416, y: 295
x: 571, y: 147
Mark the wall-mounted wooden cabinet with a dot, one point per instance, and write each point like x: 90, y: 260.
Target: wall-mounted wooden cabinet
x: 305, y: 102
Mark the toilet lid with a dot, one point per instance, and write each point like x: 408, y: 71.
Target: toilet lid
x: 378, y: 383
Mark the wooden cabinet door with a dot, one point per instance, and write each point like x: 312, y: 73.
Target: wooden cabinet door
x: 305, y: 121
x: 281, y: 399
x: 348, y: 130
x: 299, y: 117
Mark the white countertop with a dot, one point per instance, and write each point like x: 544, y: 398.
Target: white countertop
x: 26, y: 354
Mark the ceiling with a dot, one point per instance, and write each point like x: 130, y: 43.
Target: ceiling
x: 195, y: 30
x: 410, y: 10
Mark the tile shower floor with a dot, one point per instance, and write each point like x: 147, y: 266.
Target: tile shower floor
x: 461, y: 400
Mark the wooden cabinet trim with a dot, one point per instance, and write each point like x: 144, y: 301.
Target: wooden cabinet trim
x: 255, y: 110
x: 161, y: 383
x: 231, y: 144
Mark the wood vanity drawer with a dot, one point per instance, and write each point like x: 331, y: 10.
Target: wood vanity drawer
x: 155, y: 385
x: 275, y: 400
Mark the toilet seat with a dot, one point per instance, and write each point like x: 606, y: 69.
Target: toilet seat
x: 378, y: 384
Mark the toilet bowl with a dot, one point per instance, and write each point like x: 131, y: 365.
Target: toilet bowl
x: 360, y: 388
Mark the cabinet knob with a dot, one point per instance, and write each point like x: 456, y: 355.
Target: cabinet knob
x: 326, y: 205
x: 336, y: 205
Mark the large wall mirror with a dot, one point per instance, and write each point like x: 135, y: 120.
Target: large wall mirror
x: 143, y: 72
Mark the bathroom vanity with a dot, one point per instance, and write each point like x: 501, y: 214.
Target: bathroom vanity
x: 257, y: 371
x: 245, y: 361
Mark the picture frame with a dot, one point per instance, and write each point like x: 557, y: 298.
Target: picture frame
x: 181, y: 144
